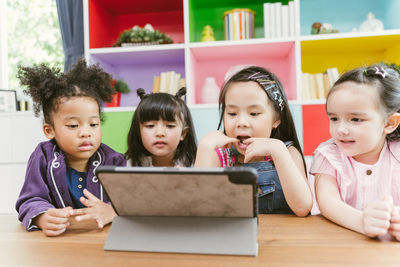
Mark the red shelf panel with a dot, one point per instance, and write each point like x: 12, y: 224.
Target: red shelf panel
x: 107, y: 19
x: 315, y: 127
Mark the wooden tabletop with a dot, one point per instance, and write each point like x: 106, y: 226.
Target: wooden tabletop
x: 283, y: 240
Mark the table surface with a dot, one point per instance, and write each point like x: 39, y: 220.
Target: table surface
x: 283, y: 240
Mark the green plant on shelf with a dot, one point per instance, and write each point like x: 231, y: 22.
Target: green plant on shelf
x: 120, y: 86
x: 140, y: 36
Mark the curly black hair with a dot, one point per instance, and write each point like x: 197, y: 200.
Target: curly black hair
x: 48, y: 86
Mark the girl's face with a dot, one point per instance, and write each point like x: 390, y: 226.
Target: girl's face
x: 161, y: 138
x: 76, y: 128
x: 357, y: 123
x: 248, y: 113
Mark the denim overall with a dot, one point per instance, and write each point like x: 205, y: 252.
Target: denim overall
x: 270, y: 194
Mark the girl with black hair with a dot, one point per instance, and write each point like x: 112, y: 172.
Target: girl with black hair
x: 60, y: 177
x: 357, y: 182
x: 162, y: 131
x: 259, y: 132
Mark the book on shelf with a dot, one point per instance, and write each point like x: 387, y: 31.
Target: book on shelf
x: 267, y: 25
x: 168, y: 82
x: 279, y: 20
x: 317, y: 86
x: 156, y: 84
x: 292, y: 18
x: 285, y: 20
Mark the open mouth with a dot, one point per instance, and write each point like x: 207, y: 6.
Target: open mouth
x: 242, y: 138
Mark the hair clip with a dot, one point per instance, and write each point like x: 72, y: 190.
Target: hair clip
x: 381, y: 72
x: 270, y: 87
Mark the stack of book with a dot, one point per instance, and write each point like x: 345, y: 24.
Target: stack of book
x: 317, y: 86
x: 168, y: 82
x: 279, y: 20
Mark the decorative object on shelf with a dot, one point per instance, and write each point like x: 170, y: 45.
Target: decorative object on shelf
x: 324, y: 28
x: 371, y: 24
x: 239, y: 24
x: 210, y: 91
x: 316, y: 27
x: 207, y: 34
x: 137, y: 36
x: 121, y: 88
x: 8, y: 100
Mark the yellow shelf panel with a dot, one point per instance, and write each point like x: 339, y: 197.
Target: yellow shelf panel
x: 348, y: 53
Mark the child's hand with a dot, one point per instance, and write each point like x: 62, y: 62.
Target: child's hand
x: 217, y: 139
x: 394, y: 229
x: 96, y: 209
x: 259, y: 147
x: 376, y: 217
x: 54, y: 221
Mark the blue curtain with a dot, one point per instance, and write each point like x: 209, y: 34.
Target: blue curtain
x: 70, y: 17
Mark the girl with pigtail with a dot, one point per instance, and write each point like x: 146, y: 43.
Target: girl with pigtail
x: 162, y: 131
x: 60, y: 178
x: 357, y: 182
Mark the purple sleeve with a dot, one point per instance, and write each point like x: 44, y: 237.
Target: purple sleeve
x: 34, y: 198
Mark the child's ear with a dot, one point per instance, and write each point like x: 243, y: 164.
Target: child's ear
x: 392, y: 123
x: 48, y: 131
x: 276, y: 123
x: 184, y: 133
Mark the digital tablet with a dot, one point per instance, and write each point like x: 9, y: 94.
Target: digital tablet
x: 182, y: 210
x: 154, y: 191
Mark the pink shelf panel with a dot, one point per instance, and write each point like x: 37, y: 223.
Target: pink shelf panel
x: 215, y: 61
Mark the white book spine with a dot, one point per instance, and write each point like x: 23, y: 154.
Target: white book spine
x: 278, y: 19
x: 267, y: 25
x: 285, y: 21
x: 292, y: 20
x: 272, y: 21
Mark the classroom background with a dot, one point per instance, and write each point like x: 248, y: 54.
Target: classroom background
x: 196, y: 43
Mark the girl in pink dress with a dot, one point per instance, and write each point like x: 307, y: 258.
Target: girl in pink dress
x: 357, y: 181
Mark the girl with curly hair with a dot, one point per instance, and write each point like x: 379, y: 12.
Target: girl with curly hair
x: 60, y: 178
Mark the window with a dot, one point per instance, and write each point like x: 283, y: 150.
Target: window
x: 29, y: 34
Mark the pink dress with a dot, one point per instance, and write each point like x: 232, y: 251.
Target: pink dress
x: 359, y: 183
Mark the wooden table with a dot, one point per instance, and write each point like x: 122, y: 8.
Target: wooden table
x: 283, y: 240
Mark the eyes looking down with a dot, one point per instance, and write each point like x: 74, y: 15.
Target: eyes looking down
x: 76, y: 128
x: 161, y: 138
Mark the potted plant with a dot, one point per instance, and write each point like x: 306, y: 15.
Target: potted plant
x: 142, y: 36
x: 121, y: 88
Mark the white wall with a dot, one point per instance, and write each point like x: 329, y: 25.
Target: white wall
x: 19, y: 135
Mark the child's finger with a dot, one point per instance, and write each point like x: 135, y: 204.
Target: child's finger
x: 374, y: 231
x: 56, y: 227
x: 84, y: 217
x: 80, y: 211
x: 89, y: 195
x: 57, y: 220
x: 54, y: 233
x: 64, y: 213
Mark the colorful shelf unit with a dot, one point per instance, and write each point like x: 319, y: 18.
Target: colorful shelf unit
x: 288, y: 57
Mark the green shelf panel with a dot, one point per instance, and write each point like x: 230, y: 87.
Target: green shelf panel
x: 115, y: 129
x: 210, y: 12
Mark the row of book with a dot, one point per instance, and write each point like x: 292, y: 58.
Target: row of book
x: 317, y: 86
x: 279, y: 20
x: 168, y: 82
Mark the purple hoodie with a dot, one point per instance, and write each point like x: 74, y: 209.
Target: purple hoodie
x: 46, y: 185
